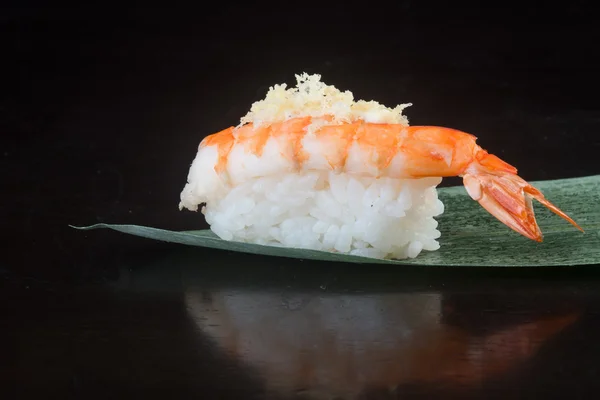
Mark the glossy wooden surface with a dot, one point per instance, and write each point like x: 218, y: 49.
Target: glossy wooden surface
x: 101, y: 115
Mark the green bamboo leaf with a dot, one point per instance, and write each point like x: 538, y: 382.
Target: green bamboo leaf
x: 470, y: 236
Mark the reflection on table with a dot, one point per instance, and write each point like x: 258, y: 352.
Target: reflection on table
x: 342, y: 345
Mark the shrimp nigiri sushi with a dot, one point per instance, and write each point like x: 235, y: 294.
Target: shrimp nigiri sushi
x: 309, y: 167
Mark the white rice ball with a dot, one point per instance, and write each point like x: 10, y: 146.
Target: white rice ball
x: 328, y: 211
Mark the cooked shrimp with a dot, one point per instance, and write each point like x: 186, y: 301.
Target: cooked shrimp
x: 397, y: 150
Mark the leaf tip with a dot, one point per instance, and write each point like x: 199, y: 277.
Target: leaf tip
x: 86, y: 228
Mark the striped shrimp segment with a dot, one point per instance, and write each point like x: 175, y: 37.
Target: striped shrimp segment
x: 327, y: 148
x: 433, y: 151
x: 222, y: 143
x: 388, y: 150
x: 358, y: 148
x: 373, y: 149
x: 266, y: 150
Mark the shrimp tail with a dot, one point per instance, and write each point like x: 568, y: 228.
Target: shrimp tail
x: 498, y: 189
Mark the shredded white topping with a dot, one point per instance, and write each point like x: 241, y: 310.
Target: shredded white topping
x: 311, y: 97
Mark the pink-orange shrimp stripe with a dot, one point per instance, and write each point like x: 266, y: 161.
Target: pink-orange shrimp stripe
x: 429, y: 151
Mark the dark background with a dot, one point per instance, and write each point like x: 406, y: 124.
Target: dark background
x: 101, y: 112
